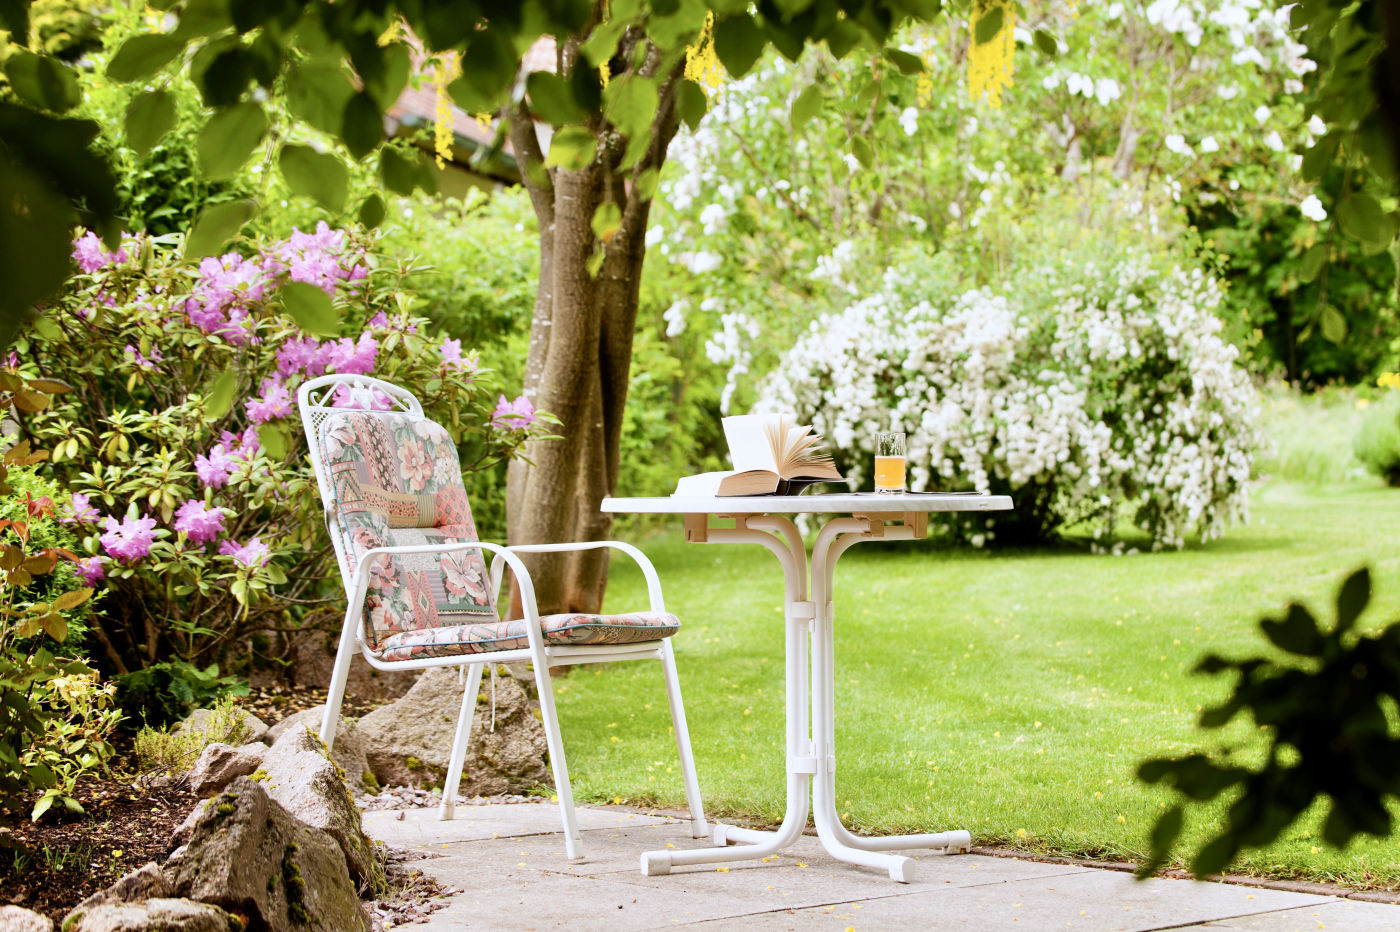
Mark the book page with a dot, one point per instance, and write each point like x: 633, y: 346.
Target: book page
x: 749, y: 446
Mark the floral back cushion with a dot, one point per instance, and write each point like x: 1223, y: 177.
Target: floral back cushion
x: 397, y: 483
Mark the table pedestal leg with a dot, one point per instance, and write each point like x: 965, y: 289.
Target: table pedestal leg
x: 811, y: 742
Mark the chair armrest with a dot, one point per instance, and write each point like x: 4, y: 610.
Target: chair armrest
x: 658, y: 604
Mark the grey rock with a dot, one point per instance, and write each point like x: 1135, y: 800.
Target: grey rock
x: 312, y: 788
x: 219, y: 764
x: 18, y: 919
x: 249, y: 856
x: 156, y: 915
x: 312, y: 653
x: 198, y: 720
x: 409, y: 741
x: 348, y: 751
x: 147, y: 882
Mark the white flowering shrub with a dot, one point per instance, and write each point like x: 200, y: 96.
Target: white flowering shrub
x: 1096, y: 395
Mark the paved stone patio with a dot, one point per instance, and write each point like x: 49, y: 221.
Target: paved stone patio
x: 509, y: 862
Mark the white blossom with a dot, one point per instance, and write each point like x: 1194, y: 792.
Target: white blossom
x: 1261, y: 114
x: 1312, y: 208
x: 1209, y: 144
x: 1175, y: 142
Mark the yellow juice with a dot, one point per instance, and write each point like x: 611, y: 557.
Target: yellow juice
x: 889, y: 473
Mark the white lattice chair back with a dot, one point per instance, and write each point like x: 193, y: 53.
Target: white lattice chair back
x: 318, y: 399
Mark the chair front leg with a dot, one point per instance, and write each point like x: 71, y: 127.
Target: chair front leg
x: 459, y: 743
x: 573, y: 844
x: 340, y: 674
x: 699, y: 828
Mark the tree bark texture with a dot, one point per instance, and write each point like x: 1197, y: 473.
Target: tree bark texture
x: 580, y: 352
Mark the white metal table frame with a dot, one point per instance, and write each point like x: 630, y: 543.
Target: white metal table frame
x: 810, y: 657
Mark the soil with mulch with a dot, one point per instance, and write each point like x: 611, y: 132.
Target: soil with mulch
x: 66, y: 857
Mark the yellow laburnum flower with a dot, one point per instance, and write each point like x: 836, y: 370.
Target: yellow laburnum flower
x: 991, y: 64
x: 448, y: 67
x: 1389, y: 380
x: 701, y: 63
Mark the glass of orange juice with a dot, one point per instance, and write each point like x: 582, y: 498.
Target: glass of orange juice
x: 889, y: 461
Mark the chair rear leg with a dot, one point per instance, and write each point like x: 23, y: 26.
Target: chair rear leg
x: 573, y: 844
x: 340, y: 673
x: 699, y: 828
x: 459, y: 743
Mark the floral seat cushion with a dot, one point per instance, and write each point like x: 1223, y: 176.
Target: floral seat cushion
x: 511, y: 635
x: 397, y: 482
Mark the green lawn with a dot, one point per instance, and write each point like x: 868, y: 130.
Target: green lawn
x: 1011, y: 694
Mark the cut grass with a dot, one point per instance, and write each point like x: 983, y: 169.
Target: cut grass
x: 1011, y: 694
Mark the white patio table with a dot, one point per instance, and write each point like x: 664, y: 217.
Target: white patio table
x: 811, y: 715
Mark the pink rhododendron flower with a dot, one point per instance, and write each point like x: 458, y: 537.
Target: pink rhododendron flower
x: 213, y: 470
x: 241, y: 447
x: 144, y: 362
x: 274, y: 402
x: 91, y: 255
x: 452, y: 356
x: 513, y: 415
x: 253, y: 553
x: 314, y: 258
x: 228, y: 287
x: 363, y: 397
x: 378, y: 320
x: 130, y: 540
x: 200, y: 523
x: 353, y: 357
x: 301, y: 355
x: 83, y: 512
x: 89, y: 570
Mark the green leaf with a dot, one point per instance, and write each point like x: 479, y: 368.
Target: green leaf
x: 738, y: 43
x: 317, y: 93
x: 43, y: 81
x: 216, y: 225
x: 143, y: 55
x: 14, y: 17
x: 862, y: 151
x: 630, y: 103
x: 552, y: 99
x: 149, y: 117
x: 691, y: 102
x: 222, y: 391
x: 594, y: 263
x: 904, y: 61
x: 1313, y: 261
x: 1332, y: 324
x: 319, y: 175
x: 1296, y: 632
x: 807, y: 105
x: 311, y: 308
x: 606, y: 220
x: 1048, y: 45
x: 55, y: 626
x: 203, y: 17
x: 646, y: 184
x: 363, y: 125
x: 44, y: 804
x: 601, y: 44
x: 272, y: 436
x: 228, y: 139
x: 1352, y: 599
x: 842, y: 37
x: 1363, y: 219
x: 571, y: 148
x: 371, y: 212
x: 398, y: 171
x: 491, y: 65
x: 988, y: 25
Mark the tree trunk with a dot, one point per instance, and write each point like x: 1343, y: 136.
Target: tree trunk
x: 580, y: 355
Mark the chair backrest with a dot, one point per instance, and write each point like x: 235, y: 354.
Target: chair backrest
x: 389, y: 476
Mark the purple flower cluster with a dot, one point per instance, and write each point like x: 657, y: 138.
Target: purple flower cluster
x: 224, y: 457
x: 452, y: 357
x: 89, y: 570
x: 199, y: 522
x: 130, y: 540
x: 91, y: 255
x: 83, y: 512
x: 314, y: 258
x: 310, y: 357
x: 274, y: 402
x: 227, y: 290
x: 513, y: 415
x: 253, y: 553
x: 144, y: 362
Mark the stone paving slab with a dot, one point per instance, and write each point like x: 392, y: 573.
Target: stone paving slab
x: 509, y: 862
x: 1334, y: 915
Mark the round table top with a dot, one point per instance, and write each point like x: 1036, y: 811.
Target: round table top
x: 835, y: 503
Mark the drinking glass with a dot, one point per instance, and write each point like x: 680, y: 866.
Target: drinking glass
x: 889, y: 461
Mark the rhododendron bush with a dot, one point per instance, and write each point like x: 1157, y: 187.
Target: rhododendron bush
x: 180, y: 449
x: 1092, y: 396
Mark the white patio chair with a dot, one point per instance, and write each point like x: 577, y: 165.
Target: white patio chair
x: 419, y: 594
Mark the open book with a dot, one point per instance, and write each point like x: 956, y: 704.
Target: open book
x: 771, y: 455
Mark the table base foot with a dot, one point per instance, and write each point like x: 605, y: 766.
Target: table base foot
x: 946, y: 842
x: 656, y: 863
